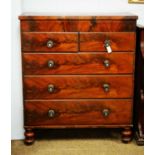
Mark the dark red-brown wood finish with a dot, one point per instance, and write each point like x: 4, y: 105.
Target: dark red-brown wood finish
x: 81, y: 63
x: 69, y: 78
x: 91, y: 25
x: 83, y: 86
x: 38, y: 42
x: 78, y: 112
x: 95, y: 41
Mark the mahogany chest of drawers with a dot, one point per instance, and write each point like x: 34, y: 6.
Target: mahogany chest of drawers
x: 78, y: 72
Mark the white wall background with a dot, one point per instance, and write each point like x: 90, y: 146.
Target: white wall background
x: 69, y: 7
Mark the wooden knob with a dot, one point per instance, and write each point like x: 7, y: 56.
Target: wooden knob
x: 51, y: 64
x: 51, y: 88
x: 106, y: 63
x: 106, y: 87
x: 50, y: 44
x: 51, y: 113
x: 105, y: 112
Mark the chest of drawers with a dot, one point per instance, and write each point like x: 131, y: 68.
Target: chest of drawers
x: 78, y: 72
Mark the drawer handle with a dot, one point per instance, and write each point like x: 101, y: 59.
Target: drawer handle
x: 107, y: 46
x: 106, y: 87
x: 51, y: 113
x: 51, y: 64
x: 105, y: 112
x: 106, y: 63
x: 50, y: 44
x: 51, y: 88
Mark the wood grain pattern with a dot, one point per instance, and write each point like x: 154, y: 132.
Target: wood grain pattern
x: 78, y: 112
x: 78, y: 87
x: 37, y: 42
x: 103, y: 16
x: 92, y: 25
x: 118, y: 41
x: 83, y: 63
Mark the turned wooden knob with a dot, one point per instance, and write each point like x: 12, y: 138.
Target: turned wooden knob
x: 106, y: 87
x: 50, y: 44
x: 51, y: 88
x: 106, y: 63
x: 105, y: 112
x: 51, y: 64
x: 51, y: 113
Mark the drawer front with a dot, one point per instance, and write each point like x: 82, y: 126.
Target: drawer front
x: 124, y: 41
x: 78, y: 26
x: 65, y: 87
x: 49, y: 42
x: 78, y: 112
x: 83, y: 63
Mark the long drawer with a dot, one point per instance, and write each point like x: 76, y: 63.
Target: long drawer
x: 83, y: 63
x: 123, y: 41
x: 62, y: 87
x: 49, y: 42
x: 78, y: 112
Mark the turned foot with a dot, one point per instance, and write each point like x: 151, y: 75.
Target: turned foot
x: 29, y: 136
x: 126, y: 135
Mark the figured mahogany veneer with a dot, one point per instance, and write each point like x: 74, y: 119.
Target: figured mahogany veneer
x: 69, y: 78
x: 38, y: 42
x: 77, y: 26
x: 78, y: 112
x: 82, y: 63
x: 78, y: 87
x: 118, y: 41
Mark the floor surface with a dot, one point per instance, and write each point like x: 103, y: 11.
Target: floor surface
x: 77, y: 142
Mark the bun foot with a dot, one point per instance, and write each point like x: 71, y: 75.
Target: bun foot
x: 29, y: 136
x: 126, y: 135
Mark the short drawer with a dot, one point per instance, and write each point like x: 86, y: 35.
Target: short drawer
x: 118, y: 41
x: 83, y: 63
x: 49, y: 42
x: 86, y: 86
x: 78, y: 112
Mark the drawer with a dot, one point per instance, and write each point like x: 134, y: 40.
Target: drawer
x: 87, y: 25
x: 123, y: 41
x: 86, y: 86
x: 83, y: 63
x: 78, y: 112
x: 49, y: 42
